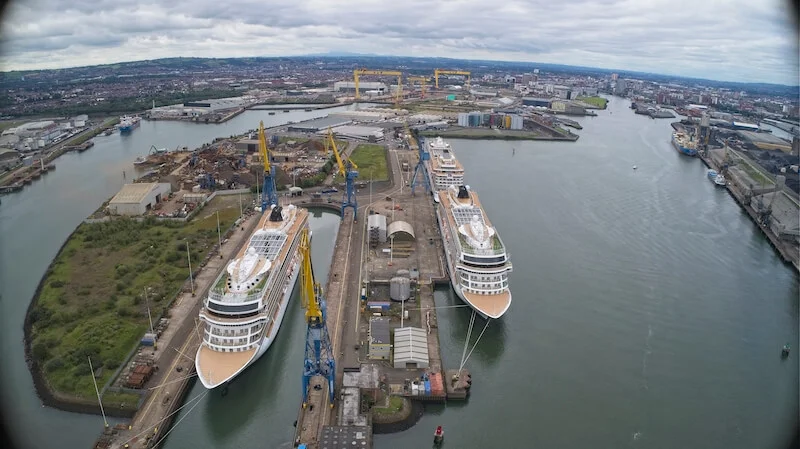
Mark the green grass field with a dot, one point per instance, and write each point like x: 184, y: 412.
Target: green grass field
x: 371, y: 159
x: 599, y: 102
x: 91, y: 302
x: 395, y: 405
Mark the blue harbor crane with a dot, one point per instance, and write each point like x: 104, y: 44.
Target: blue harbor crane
x: 269, y: 195
x: 349, y: 170
x: 319, y: 352
x: 420, y: 168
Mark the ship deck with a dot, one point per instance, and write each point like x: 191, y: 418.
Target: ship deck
x: 492, y: 305
x: 221, y: 365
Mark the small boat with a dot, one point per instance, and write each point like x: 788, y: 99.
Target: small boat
x: 438, y: 435
x: 785, y: 350
x: 634, y: 167
x: 140, y: 161
x: 716, y: 178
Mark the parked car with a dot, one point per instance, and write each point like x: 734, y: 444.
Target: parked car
x: 330, y: 190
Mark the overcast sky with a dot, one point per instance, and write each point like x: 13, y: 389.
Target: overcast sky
x: 735, y: 40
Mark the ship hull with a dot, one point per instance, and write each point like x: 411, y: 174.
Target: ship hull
x: 268, y: 339
x: 683, y: 150
x: 452, y: 271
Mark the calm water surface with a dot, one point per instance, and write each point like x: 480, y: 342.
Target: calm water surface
x: 648, y: 310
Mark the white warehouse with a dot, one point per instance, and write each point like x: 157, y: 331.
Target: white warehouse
x: 137, y: 199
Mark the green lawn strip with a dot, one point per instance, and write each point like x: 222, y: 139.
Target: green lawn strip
x: 92, y: 304
x: 371, y: 158
x: 395, y: 405
x: 600, y: 102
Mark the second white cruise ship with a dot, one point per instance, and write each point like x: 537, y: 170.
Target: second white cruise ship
x: 244, y: 310
x: 444, y: 169
x: 476, y: 257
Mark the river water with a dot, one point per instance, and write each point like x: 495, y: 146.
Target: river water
x: 648, y: 310
x: 35, y: 222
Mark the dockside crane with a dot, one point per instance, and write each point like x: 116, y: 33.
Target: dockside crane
x: 269, y: 194
x: 349, y: 170
x: 360, y: 72
x: 423, y: 156
x: 438, y: 72
x: 319, y: 359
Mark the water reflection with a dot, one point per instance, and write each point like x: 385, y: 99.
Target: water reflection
x: 492, y: 343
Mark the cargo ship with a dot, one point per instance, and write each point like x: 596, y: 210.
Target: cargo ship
x: 128, y: 123
x: 444, y: 170
x: 476, y: 257
x: 684, y: 144
x: 244, y: 309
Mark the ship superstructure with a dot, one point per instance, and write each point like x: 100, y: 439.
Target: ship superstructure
x: 444, y: 169
x: 244, y: 310
x: 476, y: 256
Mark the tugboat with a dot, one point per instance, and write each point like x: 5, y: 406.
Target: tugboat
x: 785, y: 351
x: 438, y: 436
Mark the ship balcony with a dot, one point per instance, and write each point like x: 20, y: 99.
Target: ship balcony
x: 232, y: 321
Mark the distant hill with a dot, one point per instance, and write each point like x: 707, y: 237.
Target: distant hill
x: 419, y: 65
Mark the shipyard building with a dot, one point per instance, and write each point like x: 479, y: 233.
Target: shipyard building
x: 139, y: 198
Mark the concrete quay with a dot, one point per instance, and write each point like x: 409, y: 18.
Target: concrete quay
x: 174, y: 354
x: 789, y: 251
x: 357, y: 264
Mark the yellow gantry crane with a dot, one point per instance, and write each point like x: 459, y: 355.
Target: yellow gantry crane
x: 349, y: 170
x: 421, y: 80
x: 360, y: 72
x: 438, y: 72
x: 319, y: 360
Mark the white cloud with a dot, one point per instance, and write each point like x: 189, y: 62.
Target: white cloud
x: 738, y: 40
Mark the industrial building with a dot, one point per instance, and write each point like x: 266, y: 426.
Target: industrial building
x: 8, y: 158
x: 784, y: 214
x: 410, y: 348
x: 566, y: 107
x: 350, y: 86
x: 401, y: 231
x: 316, y: 125
x: 380, y: 347
x: 365, y: 133
x: 137, y: 199
x: 540, y: 102
x: 475, y: 119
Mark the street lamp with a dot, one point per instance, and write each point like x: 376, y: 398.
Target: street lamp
x: 219, y: 236
x: 150, y: 318
x: 189, y: 258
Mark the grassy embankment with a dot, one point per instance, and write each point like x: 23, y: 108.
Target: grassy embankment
x: 91, y: 300
x: 108, y: 123
x: 599, y: 102
x: 371, y: 162
x: 394, y: 406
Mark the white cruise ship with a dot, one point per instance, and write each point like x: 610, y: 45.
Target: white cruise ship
x: 444, y: 169
x: 243, y: 311
x: 476, y: 257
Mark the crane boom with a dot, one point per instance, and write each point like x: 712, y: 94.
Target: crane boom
x: 319, y: 359
x: 348, y: 169
x: 437, y: 72
x: 268, y: 195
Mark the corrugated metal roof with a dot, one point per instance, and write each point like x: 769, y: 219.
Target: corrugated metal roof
x: 133, y: 193
x: 400, y: 226
x: 410, y: 345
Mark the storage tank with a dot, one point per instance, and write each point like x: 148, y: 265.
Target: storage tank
x: 507, y: 122
x: 400, y: 289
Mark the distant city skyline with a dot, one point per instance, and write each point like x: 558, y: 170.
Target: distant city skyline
x: 735, y: 40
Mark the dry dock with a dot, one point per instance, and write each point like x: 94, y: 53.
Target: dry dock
x: 362, y: 269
